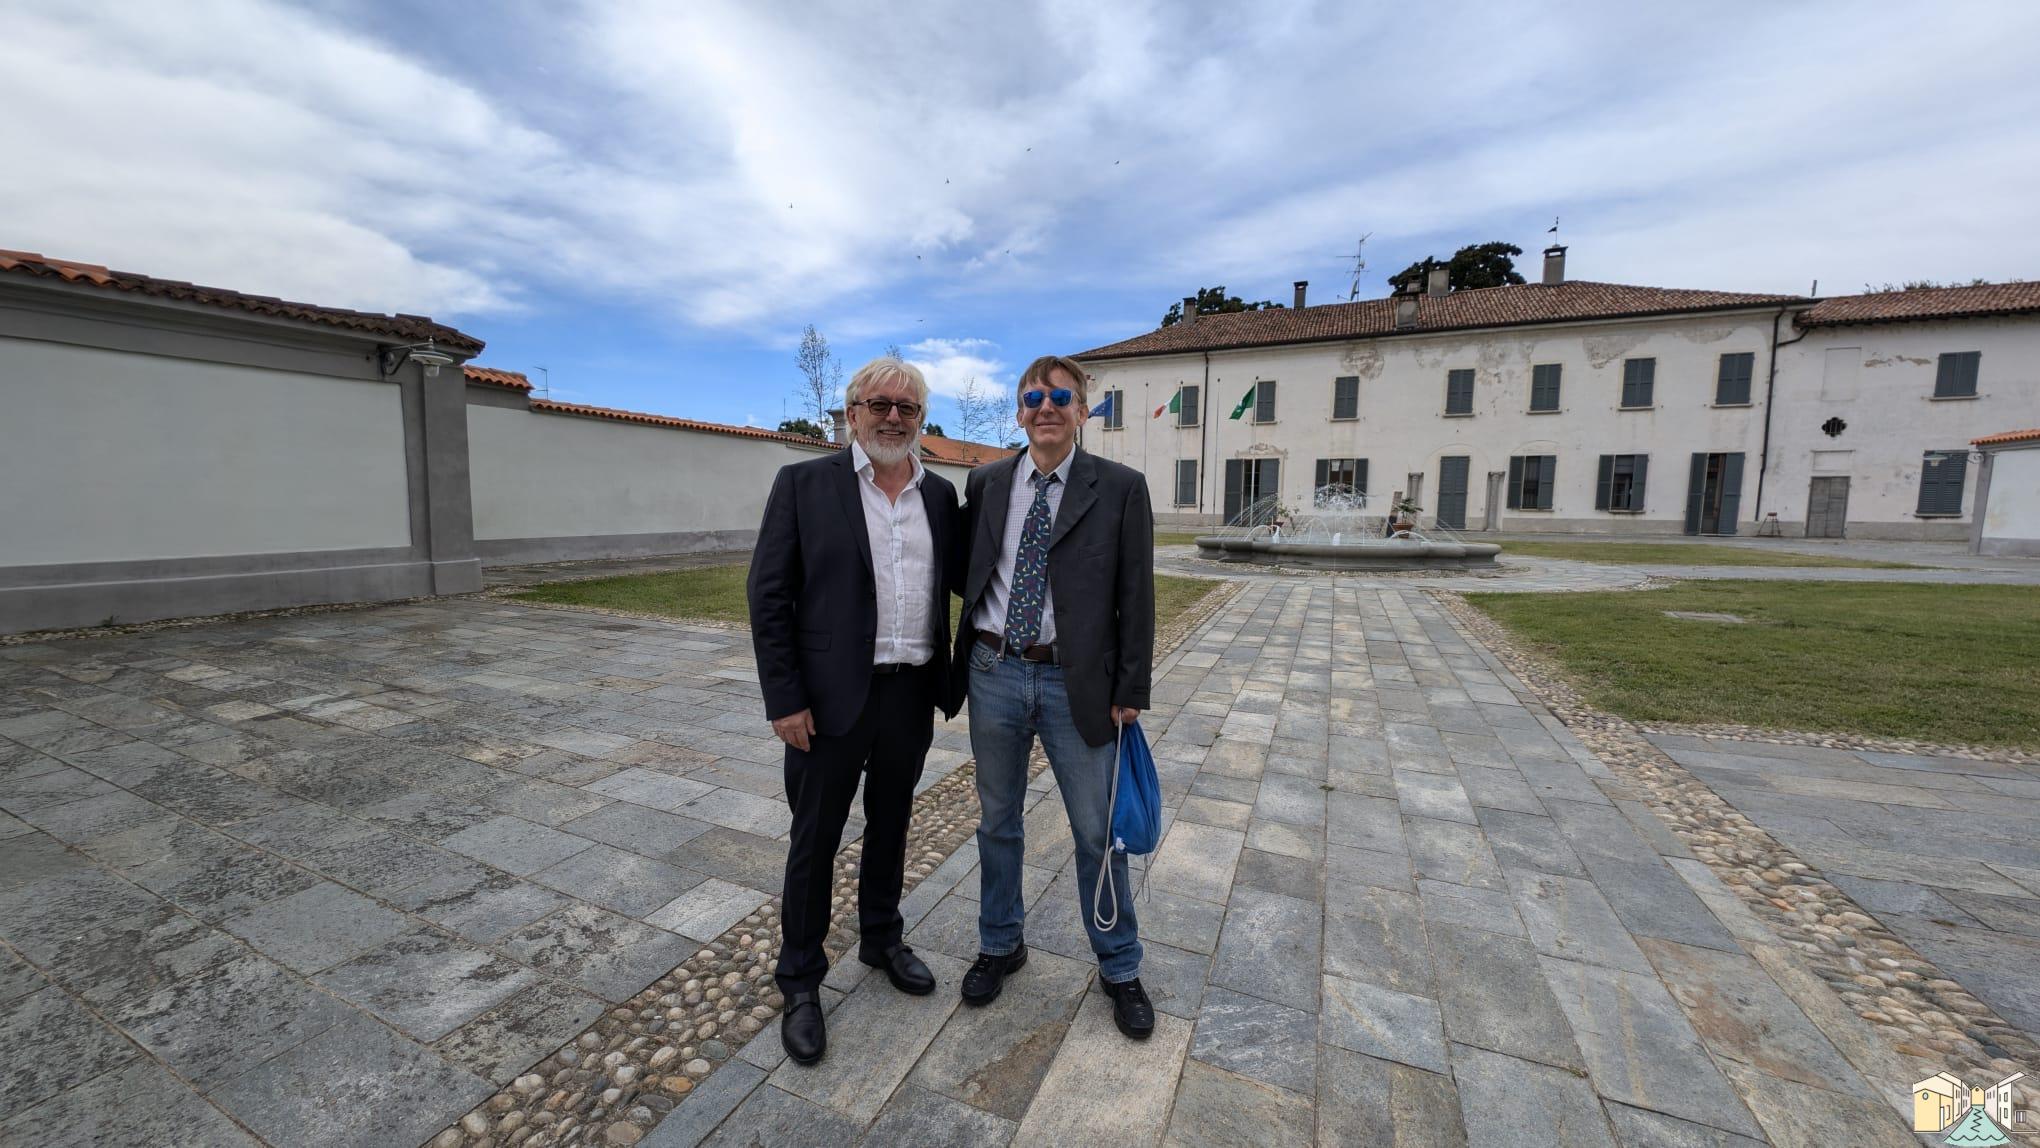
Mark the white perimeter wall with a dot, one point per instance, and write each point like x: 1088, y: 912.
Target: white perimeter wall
x: 143, y: 457
x: 1879, y: 380
x: 1403, y: 426
x: 567, y: 476
x: 2014, y: 510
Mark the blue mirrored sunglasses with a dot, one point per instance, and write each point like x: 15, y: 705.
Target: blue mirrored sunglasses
x: 1060, y: 396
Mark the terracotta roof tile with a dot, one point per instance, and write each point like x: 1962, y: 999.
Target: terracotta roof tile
x: 1461, y: 310
x: 2007, y: 437
x: 962, y: 452
x: 514, y: 380
x: 1925, y: 303
x: 407, y: 328
x: 547, y: 406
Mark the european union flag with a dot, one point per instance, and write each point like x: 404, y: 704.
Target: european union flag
x: 1104, y: 408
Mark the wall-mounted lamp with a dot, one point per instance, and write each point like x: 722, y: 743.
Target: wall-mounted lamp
x: 425, y: 354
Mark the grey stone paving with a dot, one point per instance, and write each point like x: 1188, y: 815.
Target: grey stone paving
x: 1396, y: 904
x: 333, y: 879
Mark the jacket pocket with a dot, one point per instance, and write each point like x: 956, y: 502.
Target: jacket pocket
x: 814, y: 639
x: 1112, y: 659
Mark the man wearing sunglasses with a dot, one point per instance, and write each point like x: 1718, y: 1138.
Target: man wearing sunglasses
x: 1059, y: 627
x: 849, y: 592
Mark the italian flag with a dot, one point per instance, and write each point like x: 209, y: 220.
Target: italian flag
x: 1173, y: 406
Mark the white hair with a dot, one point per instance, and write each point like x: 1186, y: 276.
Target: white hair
x: 885, y: 368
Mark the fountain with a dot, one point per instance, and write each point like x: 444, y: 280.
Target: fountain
x: 1337, y: 532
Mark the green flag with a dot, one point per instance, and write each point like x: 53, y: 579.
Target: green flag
x: 1246, y: 401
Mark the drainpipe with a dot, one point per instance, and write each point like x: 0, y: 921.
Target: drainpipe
x: 1770, y: 391
x: 1203, y: 424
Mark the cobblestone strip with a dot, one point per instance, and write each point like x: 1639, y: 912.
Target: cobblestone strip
x: 1918, y: 1009
x: 612, y: 1084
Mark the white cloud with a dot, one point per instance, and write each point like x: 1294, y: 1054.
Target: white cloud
x: 978, y: 165
x: 951, y: 363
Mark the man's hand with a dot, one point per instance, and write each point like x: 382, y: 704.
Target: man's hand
x: 1124, y: 715
x: 795, y: 729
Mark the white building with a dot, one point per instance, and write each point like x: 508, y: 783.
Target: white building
x: 1579, y: 407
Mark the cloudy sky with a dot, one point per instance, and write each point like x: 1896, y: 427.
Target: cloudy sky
x: 652, y: 199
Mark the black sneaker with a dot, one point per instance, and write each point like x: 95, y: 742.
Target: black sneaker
x: 988, y: 974
x: 1131, y: 1009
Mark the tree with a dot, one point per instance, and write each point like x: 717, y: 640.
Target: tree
x: 982, y: 413
x: 821, y: 377
x: 935, y: 429
x: 1214, y: 301
x: 892, y: 351
x: 803, y: 426
x: 1474, y: 265
x: 1926, y: 285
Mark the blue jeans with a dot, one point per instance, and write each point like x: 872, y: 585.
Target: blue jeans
x: 1013, y: 701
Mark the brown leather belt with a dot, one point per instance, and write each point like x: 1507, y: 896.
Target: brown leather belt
x: 1034, y: 653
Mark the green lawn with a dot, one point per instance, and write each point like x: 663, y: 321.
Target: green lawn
x: 716, y: 593
x: 1683, y: 554
x: 1177, y: 537
x: 1931, y: 663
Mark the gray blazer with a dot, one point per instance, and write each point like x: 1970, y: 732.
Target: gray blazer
x: 1101, y: 567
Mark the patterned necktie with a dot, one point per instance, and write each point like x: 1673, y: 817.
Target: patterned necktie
x: 1030, y: 570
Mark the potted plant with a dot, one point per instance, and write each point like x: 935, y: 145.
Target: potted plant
x: 1402, y: 516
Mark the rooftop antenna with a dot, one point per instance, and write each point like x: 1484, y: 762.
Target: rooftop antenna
x: 1359, y: 258
x: 545, y: 391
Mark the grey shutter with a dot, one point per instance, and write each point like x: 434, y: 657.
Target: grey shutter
x: 1186, y: 481
x: 1324, y: 473
x: 1696, y: 489
x: 1955, y: 376
x: 1636, y: 482
x: 1732, y: 383
x: 1603, y: 481
x: 1637, y: 378
x: 1346, y: 397
x: 1270, y: 480
x: 1731, y: 491
x: 1515, y: 500
x: 1235, y: 473
x: 1544, y: 384
x: 1360, y: 475
x: 1546, y: 471
x: 1941, y: 482
x: 1264, y: 402
x: 1459, y: 392
x: 1187, y: 411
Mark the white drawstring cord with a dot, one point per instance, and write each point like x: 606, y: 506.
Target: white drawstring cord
x: 1105, y: 879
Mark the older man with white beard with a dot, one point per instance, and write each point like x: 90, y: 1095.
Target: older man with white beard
x: 849, y: 593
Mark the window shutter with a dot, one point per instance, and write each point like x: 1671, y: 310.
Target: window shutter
x: 1269, y: 482
x: 1642, y: 465
x: 1637, y: 377
x: 1696, y: 487
x: 1941, y: 482
x: 1186, y: 481
x: 1346, y: 397
x: 1186, y: 408
x: 1235, y: 474
x: 1732, y: 383
x: 1955, y: 376
x: 1515, y: 499
x: 1544, y: 383
x: 1603, y: 481
x: 1264, y: 401
x: 1545, y: 473
x: 1731, y: 491
x: 1324, y: 473
x: 1360, y: 475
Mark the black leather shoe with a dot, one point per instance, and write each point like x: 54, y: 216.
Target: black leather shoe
x: 801, y: 1029
x: 907, y: 972
x: 988, y: 974
x: 1131, y: 1009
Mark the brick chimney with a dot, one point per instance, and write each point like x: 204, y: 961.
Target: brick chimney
x: 1440, y: 282
x: 1301, y: 286
x: 1189, y: 308
x: 1554, y: 265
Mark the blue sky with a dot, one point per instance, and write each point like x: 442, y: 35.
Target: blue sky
x: 652, y: 199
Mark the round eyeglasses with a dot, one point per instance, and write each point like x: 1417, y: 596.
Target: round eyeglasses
x: 880, y: 408
x: 1060, y: 396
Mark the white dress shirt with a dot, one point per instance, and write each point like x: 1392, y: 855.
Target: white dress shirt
x: 991, y: 615
x: 903, y: 563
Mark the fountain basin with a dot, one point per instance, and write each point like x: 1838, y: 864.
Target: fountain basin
x: 1398, y: 554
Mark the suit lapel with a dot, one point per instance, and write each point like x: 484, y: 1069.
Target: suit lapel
x: 998, y: 495
x: 1078, y: 500
x: 853, y: 507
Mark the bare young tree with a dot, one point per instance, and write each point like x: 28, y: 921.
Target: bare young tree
x: 983, y: 413
x: 821, y: 376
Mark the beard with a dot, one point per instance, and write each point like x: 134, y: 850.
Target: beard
x: 888, y: 450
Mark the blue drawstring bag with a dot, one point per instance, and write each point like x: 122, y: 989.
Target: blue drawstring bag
x: 1136, y: 798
